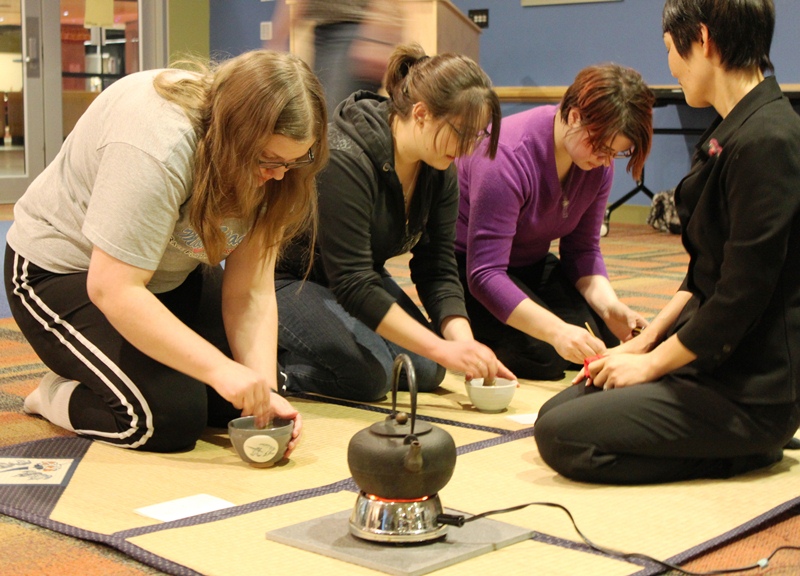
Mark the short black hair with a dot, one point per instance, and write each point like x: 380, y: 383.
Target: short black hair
x: 741, y: 29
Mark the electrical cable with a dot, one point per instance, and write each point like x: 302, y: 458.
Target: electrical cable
x: 459, y: 520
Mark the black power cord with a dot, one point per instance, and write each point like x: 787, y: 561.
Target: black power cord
x: 459, y: 520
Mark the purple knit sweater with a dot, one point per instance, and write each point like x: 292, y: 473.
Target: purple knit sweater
x: 512, y: 208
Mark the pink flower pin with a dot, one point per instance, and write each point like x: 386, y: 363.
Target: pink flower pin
x: 714, y: 148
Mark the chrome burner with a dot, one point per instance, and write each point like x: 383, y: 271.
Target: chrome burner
x: 405, y: 521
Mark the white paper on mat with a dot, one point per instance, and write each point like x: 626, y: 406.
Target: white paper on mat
x: 184, y: 507
x: 524, y: 418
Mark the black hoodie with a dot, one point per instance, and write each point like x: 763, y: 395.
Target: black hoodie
x: 362, y: 220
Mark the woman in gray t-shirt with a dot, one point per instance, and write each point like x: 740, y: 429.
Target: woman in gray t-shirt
x: 113, y: 261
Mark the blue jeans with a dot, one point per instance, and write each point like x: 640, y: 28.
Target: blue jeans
x: 325, y: 350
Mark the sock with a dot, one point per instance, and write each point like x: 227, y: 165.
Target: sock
x: 51, y: 400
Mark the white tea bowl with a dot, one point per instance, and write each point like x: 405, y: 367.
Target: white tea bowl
x: 493, y: 398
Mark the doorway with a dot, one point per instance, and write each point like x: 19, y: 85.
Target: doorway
x: 56, y: 56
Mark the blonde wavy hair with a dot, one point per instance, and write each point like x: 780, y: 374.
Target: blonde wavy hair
x: 236, y: 106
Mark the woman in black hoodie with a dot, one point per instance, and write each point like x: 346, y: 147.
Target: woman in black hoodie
x: 389, y: 188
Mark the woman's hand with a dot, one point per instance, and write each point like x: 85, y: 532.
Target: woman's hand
x: 248, y: 391
x: 620, y: 370
x: 472, y: 358
x: 245, y: 388
x: 623, y: 322
x: 633, y: 346
x: 280, y: 408
x: 574, y: 344
x: 457, y: 351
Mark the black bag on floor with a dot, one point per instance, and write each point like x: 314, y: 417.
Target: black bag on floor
x: 663, y: 215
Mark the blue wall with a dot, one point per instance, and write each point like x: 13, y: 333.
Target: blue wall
x: 548, y: 45
x: 235, y: 25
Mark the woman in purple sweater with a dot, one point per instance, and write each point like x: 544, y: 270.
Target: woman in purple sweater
x: 550, y: 181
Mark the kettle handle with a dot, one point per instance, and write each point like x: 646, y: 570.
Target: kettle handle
x: 404, y: 361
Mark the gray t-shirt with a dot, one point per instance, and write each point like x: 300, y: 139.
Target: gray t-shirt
x: 121, y: 182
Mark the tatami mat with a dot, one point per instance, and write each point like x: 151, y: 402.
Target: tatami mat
x: 498, y: 466
x: 658, y: 520
x: 661, y: 521
x: 240, y: 546
x: 111, y: 483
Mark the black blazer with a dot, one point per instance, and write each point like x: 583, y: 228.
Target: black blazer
x: 740, y: 214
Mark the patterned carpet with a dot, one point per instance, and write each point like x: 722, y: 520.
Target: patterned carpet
x: 27, y: 549
x: 645, y: 266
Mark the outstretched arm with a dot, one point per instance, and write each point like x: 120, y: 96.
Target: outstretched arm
x: 250, y: 312
x: 572, y: 343
x: 120, y: 291
x: 458, y: 351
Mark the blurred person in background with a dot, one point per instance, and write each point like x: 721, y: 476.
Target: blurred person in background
x: 352, y: 41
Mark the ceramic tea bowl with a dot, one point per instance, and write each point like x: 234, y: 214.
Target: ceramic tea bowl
x: 492, y: 399
x: 260, y: 447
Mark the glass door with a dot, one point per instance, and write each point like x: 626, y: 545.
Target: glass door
x: 85, y: 46
x: 21, y: 90
x: 99, y: 45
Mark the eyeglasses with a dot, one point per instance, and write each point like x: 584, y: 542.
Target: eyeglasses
x: 274, y: 164
x: 478, y: 138
x: 606, y: 152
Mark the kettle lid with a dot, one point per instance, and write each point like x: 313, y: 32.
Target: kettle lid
x: 399, y: 424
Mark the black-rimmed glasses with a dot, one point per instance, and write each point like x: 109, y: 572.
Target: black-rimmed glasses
x: 275, y: 164
x: 606, y: 152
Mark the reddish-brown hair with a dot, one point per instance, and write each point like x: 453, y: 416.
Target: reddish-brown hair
x: 613, y: 100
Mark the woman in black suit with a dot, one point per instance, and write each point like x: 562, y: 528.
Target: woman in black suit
x: 711, y: 388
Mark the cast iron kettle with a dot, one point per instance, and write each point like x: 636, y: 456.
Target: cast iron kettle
x: 399, y: 458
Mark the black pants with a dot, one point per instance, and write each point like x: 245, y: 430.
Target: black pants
x: 545, y: 284
x: 125, y: 397
x: 665, y: 431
